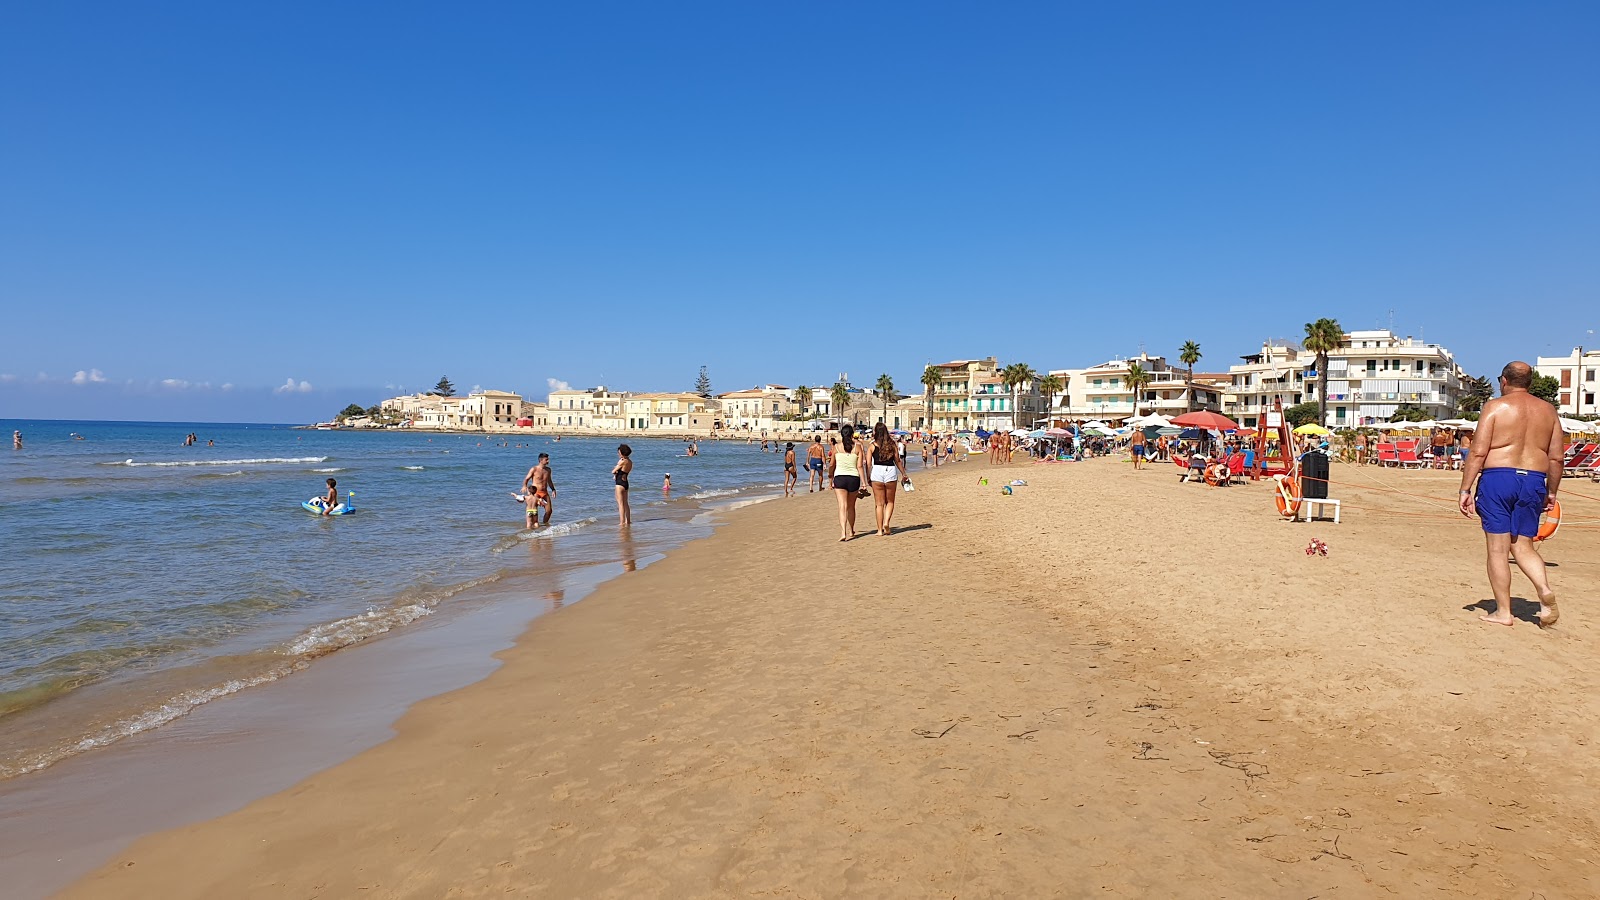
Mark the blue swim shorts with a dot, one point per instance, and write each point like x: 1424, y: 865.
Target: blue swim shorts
x: 1510, y: 501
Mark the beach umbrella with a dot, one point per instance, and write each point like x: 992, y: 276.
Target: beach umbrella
x: 1312, y: 428
x: 1059, y: 432
x: 1193, y: 434
x: 1461, y: 424
x: 1206, y: 419
x: 1037, y: 433
x: 1169, y: 431
x: 1095, y: 424
x: 1577, y: 426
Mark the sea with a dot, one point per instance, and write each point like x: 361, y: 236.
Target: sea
x: 141, y: 578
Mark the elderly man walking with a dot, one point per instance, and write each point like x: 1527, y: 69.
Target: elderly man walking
x: 1518, y: 452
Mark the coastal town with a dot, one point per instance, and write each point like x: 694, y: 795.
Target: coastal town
x: 1371, y: 377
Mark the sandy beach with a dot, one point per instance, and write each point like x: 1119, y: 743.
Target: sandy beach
x: 1106, y: 684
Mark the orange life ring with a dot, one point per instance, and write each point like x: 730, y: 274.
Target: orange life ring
x: 1288, y: 502
x: 1551, y: 522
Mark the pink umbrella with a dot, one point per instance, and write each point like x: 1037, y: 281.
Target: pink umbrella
x: 1205, y: 419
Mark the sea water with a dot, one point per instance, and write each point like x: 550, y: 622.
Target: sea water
x: 140, y: 578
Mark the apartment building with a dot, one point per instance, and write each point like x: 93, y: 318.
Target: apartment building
x: 952, y: 396
x: 1371, y: 375
x: 756, y: 408
x: 1102, y: 391
x: 1576, y: 378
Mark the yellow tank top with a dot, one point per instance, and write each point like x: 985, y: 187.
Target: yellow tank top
x: 848, y: 463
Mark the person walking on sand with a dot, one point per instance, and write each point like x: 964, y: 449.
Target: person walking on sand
x: 619, y: 475
x: 791, y: 477
x: 1518, y: 453
x: 1138, y: 448
x: 814, y: 459
x: 888, y: 471
x: 845, y: 468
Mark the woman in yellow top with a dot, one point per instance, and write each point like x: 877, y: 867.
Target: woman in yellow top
x: 845, y: 465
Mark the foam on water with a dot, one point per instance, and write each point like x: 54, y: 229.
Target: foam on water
x: 263, y: 461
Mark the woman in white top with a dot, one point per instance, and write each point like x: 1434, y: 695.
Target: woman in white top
x: 845, y: 465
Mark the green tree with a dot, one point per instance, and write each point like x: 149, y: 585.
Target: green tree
x: 1137, y: 379
x: 1189, y: 354
x: 444, y: 388
x: 353, y: 411
x: 1301, y: 413
x: 1405, y: 413
x: 1323, y: 337
x: 702, y: 384
x: 1479, y: 391
x: 840, y: 395
x: 1050, y: 386
x: 802, y: 396
x: 1014, y: 377
x: 885, y: 389
x: 931, y: 376
x: 1545, y: 388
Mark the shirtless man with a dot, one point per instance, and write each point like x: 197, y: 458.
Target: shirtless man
x: 814, y: 460
x: 540, y: 487
x: 1138, y: 448
x: 1518, y: 450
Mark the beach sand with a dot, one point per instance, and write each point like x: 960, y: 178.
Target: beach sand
x: 1107, y: 684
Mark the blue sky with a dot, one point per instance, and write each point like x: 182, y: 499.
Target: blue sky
x: 309, y: 203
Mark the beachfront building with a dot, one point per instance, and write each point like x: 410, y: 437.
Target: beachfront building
x: 409, y: 408
x: 757, y: 408
x: 488, y: 410
x: 605, y: 409
x: 536, y: 414
x: 569, y: 406
x: 908, y: 414
x: 1575, y: 374
x: 1371, y: 375
x: 1102, y: 391
x: 996, y: 407
x: 952, y: 396
x: 667, y: 412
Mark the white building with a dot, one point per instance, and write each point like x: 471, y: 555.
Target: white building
x: 1371, y: 375
x: 1578, y: 385
x: 1102, y: 391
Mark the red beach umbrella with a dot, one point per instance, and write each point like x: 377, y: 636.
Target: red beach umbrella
x: 1205, y: 419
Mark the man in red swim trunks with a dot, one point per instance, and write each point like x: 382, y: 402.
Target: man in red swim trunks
x: 539, y: 489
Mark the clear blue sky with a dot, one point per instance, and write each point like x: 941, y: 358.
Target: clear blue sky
x: 353, y: 196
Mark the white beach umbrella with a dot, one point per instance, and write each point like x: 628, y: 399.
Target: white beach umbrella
x: 1462, y: 424
x: 1095, y: 424
x: 1577, y: 426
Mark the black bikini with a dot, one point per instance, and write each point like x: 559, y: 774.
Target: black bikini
x: 621, y: 478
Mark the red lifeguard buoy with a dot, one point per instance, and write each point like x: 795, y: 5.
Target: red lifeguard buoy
x: 1551, y: 522
x: 1287, y: 496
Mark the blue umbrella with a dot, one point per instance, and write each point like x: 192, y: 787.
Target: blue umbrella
x: 1192, y: 434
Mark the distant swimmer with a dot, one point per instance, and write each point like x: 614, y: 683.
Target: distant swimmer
x: 666, y: 484
x: 1518, y: 451
x: 16, y: 440
x: 539, y: 489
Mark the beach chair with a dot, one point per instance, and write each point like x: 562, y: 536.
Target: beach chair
x: 1236, y: 465
x: 1585, y: 465
x: 1407, y: 458
x: 1388, y: 455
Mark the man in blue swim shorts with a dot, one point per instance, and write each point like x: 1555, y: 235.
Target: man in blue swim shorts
x: 1518, y: 453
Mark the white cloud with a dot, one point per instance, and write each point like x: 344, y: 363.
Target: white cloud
x: 94, y: 376
x: 8, y: 378
x: 176, y: 384
x: 227, y: 386
x: 557, y: 384
x: 293, y: 387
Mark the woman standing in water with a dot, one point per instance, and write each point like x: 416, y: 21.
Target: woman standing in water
x: 887, y: 472
x: 619, y: 474
x: 845, y: 467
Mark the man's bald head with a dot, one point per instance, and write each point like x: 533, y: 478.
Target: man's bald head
x: 1517, y: 374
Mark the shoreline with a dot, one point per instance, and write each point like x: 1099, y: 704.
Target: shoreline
x: 946, y: 712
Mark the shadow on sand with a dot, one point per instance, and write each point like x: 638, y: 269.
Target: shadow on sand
x: 1521, y: 610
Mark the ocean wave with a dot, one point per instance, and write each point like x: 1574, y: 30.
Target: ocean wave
x: 714, y: 492
x: 270, y: 460
x: 174, y: 708
x: 327, y: 471
x: 220, y: 474
x: 541, y: 533
x: 412, y: 468
x: 328, y: 637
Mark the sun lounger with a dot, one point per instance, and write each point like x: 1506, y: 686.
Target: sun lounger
x: 1388, y: 455
x: 1408, y: 458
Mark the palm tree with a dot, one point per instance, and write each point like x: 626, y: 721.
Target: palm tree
x: 1014, y: 377
x: 1050, y: 386
x: 840, y: 395
x: 1322, y: 337
x: 885, y: 388
x: 1137, y: 379
x: 1189, y: 354
x: 931, y: 376
x: 802, y: 396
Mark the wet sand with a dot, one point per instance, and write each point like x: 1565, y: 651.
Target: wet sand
x: 1108, y: 683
